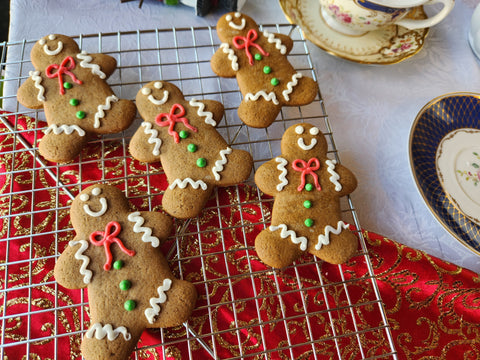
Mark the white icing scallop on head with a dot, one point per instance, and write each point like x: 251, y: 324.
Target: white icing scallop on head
x: 47, y: 49
x: 301, y: 142
x: 234, y: 25
x: 103, y: 203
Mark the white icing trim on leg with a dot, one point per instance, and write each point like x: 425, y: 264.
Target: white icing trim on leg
x: 290, y: 85
x: 154, y: 311
x: 67, y: 129
x: 100, y: 114
x: 268, y: 97
x: 324, y: 239
x: 302, y: 240
x: 100, y: 331
x: 182, y: 184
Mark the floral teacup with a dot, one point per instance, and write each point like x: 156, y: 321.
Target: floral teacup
x: 356, y: 17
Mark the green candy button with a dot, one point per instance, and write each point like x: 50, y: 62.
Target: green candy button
x: 267, y: 69
x: 192, y: 147
x: 308, y: 222
x: 81, y: 114
x: 74, y: 102
x: 125, y: 285
x: 117, y: 265
x: 201, y: 162
x: 183, y: 134
x: 309, y: 187
x: 129, y: 305
x: 307, y: 204
x: 274, y: 82
x: 258, y: 57
x: 67, y: 85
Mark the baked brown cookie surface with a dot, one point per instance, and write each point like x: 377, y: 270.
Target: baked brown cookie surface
x: 258, y: 60
x: 115, y: 255
x: 306, y: 215
x: 181, y: 134
x: 70, y: 85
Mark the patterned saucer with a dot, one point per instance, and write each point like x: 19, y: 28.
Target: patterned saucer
x: 439, y: 118
x: 383, y: 47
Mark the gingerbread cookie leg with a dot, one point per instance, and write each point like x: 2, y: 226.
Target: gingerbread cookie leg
x: 114, y: 115
x: 186, y: 204
x: 342, y: 244
x: 259, y: 110
x: 276, y: 246
x: 72, y: 137
x: 232, y: 167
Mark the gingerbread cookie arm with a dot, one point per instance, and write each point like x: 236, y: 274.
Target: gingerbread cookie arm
x: 224, y: 62
x: 99, y: 64
x: 31, y: 93
x: 72, y: 269
x: 210, y: 111
x: 282, y: 43
x: 271, y: 177
x: 146, y: 143
x: 154, y: 227
x: 341, y: 178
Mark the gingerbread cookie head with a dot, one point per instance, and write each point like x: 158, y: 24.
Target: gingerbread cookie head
x: 306, y: 215
x: 70, y: 85
x: 258, y: 60
x: 181, y: 134
x: 116, y: 256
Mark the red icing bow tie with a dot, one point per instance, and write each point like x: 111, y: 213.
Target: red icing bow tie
x: 173, y: 118
x: 248, y: 41
x: 306, y: 168
x: 64, y: 68
x: 109, y: 237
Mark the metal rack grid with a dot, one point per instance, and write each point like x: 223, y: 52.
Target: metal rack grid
x: 245, y: 310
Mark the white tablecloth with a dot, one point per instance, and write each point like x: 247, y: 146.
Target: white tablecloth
x: 371, y: 108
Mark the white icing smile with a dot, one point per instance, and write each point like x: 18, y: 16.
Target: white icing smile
x: 103, y: 203
x: 148, y: 92
x: 234, y: 25
x: 47, y: 50
x: 301, y: 142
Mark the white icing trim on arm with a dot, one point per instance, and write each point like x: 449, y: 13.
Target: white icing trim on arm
x: 152, y: 313
x: 100, y: 114
x: 67, y: 129
x: 86, y: 63
x: 283, y: 175
x: 153, y: 139
x: 302, y: 240
x: 290, y: 86
x: 268, y: 97
x: 182, y: 184
x: 87, y: 274
x: 231, y: 55
x: 35, y: 75
x: 335, y: 177
x: 273, y: 40
x: 100, y: 331
x: 138, y: 228
x: 324, y: 239
x: 207, y: 114
x: 221, y: 162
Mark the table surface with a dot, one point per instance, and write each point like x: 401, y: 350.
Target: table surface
x: 371, y: 108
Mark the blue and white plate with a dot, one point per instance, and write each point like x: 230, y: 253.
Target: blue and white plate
x: 438, y: 118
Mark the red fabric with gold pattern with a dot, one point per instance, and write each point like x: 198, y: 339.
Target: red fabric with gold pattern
x: 244, y: 308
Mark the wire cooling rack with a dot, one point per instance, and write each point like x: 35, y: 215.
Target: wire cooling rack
x: 245, y: 310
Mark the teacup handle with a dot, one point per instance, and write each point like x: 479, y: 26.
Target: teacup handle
x: 420, y: 24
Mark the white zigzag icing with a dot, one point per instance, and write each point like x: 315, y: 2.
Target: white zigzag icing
x: 100, y: 331
x: 86, y: 63
x: 87, y: 274
x: 38, y: 79
x: 219, y: 163
x: 278, y: 44
x: 67, y: 129
x: 153, y: 139
x: 283, y: 175
x: 325, y: 239
x: 182, y: 184
x: 302, y: 240
x: 100, y: 110
x: 290, y: 86
x: 269, y: 97
x: 335, y: 177
x: 231, y: 55
x: 138, y: 228
x: 152, y: 313
x: 207, y: 114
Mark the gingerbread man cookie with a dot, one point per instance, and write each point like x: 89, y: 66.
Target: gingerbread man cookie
x: 70, y: 85
x: 181, y: 134
x: 259, y: 61
x: 115, y: 255
x: 306, y: 214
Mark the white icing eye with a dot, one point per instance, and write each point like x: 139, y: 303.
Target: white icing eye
x: 146, y: 91
x: 96, y: 191
x: 42, y: 41
x: 237, y: 14
x: 51, y: 37
x: 299, y: 129
x: 84, y: 197
x: 228, y: 17
x: 157, y: 85
x: 314, y: 131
